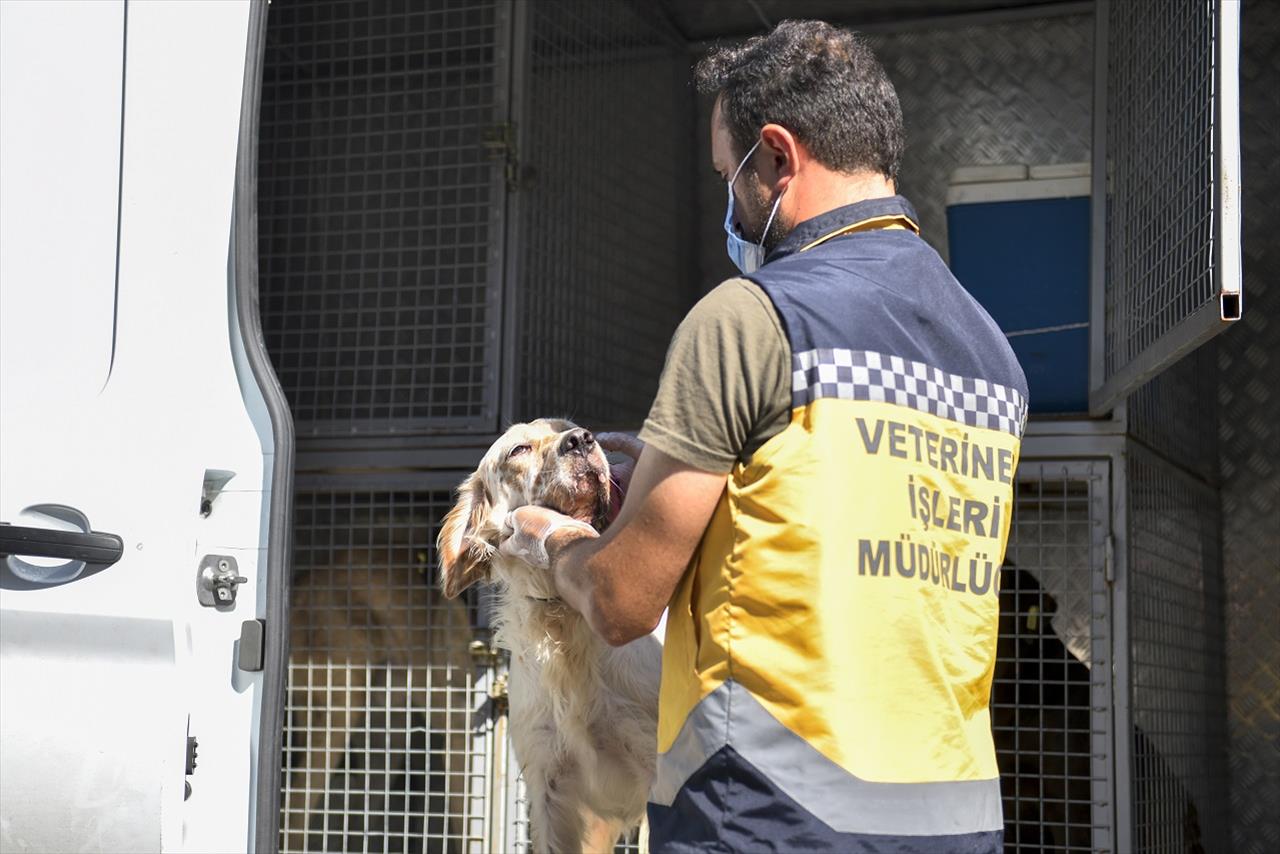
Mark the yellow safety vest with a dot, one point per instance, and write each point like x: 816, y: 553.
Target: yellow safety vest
x: 829, y: 653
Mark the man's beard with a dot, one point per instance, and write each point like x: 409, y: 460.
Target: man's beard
x: 760, y: 206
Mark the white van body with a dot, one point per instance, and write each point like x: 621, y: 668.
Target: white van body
x: 131, y: 404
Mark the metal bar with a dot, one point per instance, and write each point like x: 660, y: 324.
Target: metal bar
x: 435, y: 442
x: 517, y: 85
x: 1098, y: 204
x: 380, y: 481
x: 1061, y: 327
x: 1188, y: 334
x: 1122, y: 718
x: 386, y: 428
x: 420, y: 459
x: 265, y: 815
x: 499, y: 343
x: 982, y: 18
x: 1112, y: 424
x: 502, y: 784
x: 1229, y: 266
x: 1102, y: 732
x: 1083, y: 446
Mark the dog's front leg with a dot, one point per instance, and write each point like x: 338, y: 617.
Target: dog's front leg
x: 556, y: 820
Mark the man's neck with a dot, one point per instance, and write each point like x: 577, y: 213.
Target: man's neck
x: 826, y: 192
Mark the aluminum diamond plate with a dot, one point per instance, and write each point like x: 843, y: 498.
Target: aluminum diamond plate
x: 1249, y: 398
x: 1012, y: 93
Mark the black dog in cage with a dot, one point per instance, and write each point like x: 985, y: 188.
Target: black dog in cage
x: 1041, y: 712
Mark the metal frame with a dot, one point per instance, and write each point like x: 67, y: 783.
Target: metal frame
x: 1100, y: 177
x: 1118, y: 718
x: 1209, y: 819
x: 1093, y: 466
x: 417, y: 456
x: 265, y: 814
x: 977, y: 18
x: 1229, y: 267
x: 483, y: 359
x: 507, y: 52
x: 417, y: 678
x: 1213, y: 316
x: 513, y: 268
x: 603, y: 70
x: 1121, y: 712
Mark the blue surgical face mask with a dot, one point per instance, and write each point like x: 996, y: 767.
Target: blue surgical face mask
x: 744, y: 254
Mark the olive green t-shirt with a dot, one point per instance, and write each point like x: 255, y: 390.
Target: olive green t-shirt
x: 726, y: 385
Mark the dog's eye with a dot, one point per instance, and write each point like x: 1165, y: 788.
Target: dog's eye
x: 518, y: 450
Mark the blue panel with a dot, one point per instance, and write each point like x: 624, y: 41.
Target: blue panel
x: 1027, y: 262
x: 1057, y: 369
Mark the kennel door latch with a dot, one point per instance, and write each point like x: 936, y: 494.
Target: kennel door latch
x: 217, y: 580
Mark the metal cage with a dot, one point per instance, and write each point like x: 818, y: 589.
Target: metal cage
x: 386, y: 744
x: 1052, y: 691
x: 380, y: 212
x: 442, y: 250
x: 1166, y: 187
x: 1177, y: 698
x: 597, y: 80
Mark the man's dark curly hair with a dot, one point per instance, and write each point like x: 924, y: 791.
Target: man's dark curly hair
x: 820, y: 82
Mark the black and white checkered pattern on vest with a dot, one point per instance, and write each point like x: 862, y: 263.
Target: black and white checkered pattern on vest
x: 868, y: 375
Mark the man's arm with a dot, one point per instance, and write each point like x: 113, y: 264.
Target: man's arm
x: 621, y: 581
x: 725, y: 385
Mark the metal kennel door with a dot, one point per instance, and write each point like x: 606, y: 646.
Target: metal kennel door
x: 1166, y: 170
x: 389, y: 739
x: 381, y: 211
x: 1051, y: 701
x: 1173, y: 670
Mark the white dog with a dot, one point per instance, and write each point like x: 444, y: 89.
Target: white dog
x: 583, y: 714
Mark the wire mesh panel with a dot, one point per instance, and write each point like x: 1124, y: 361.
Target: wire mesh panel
x: 1166, y: 222
x: 1176, y: 413
x: 604, y: 267
x: 386, y: 745
x: 380, y: 211
x: 1051, y: 695
x: 1176, y: 680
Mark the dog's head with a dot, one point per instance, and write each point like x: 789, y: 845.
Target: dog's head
x: 550, y: 462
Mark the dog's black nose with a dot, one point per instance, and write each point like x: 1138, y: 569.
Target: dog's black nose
x: 577, y: 442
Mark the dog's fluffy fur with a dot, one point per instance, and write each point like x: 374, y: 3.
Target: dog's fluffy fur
x: 583, y: 714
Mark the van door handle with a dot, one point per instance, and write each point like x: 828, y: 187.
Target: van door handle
x: 92, y: 547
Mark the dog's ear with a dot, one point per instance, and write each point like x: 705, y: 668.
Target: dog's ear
x: 465, y: 553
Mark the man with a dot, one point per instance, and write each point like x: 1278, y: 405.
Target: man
x: 822, y: 494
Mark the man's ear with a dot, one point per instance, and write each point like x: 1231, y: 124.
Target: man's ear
x: 465, y: 553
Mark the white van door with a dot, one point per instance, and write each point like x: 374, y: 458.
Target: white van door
x: 145, y: 449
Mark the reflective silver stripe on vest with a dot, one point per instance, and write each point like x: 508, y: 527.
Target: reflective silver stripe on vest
x: 841, y: 800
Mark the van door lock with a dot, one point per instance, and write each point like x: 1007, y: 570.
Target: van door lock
x: 216, y: 581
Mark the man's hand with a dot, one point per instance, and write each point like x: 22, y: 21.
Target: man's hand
x: 620, y: 473
x: 527, y: 531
